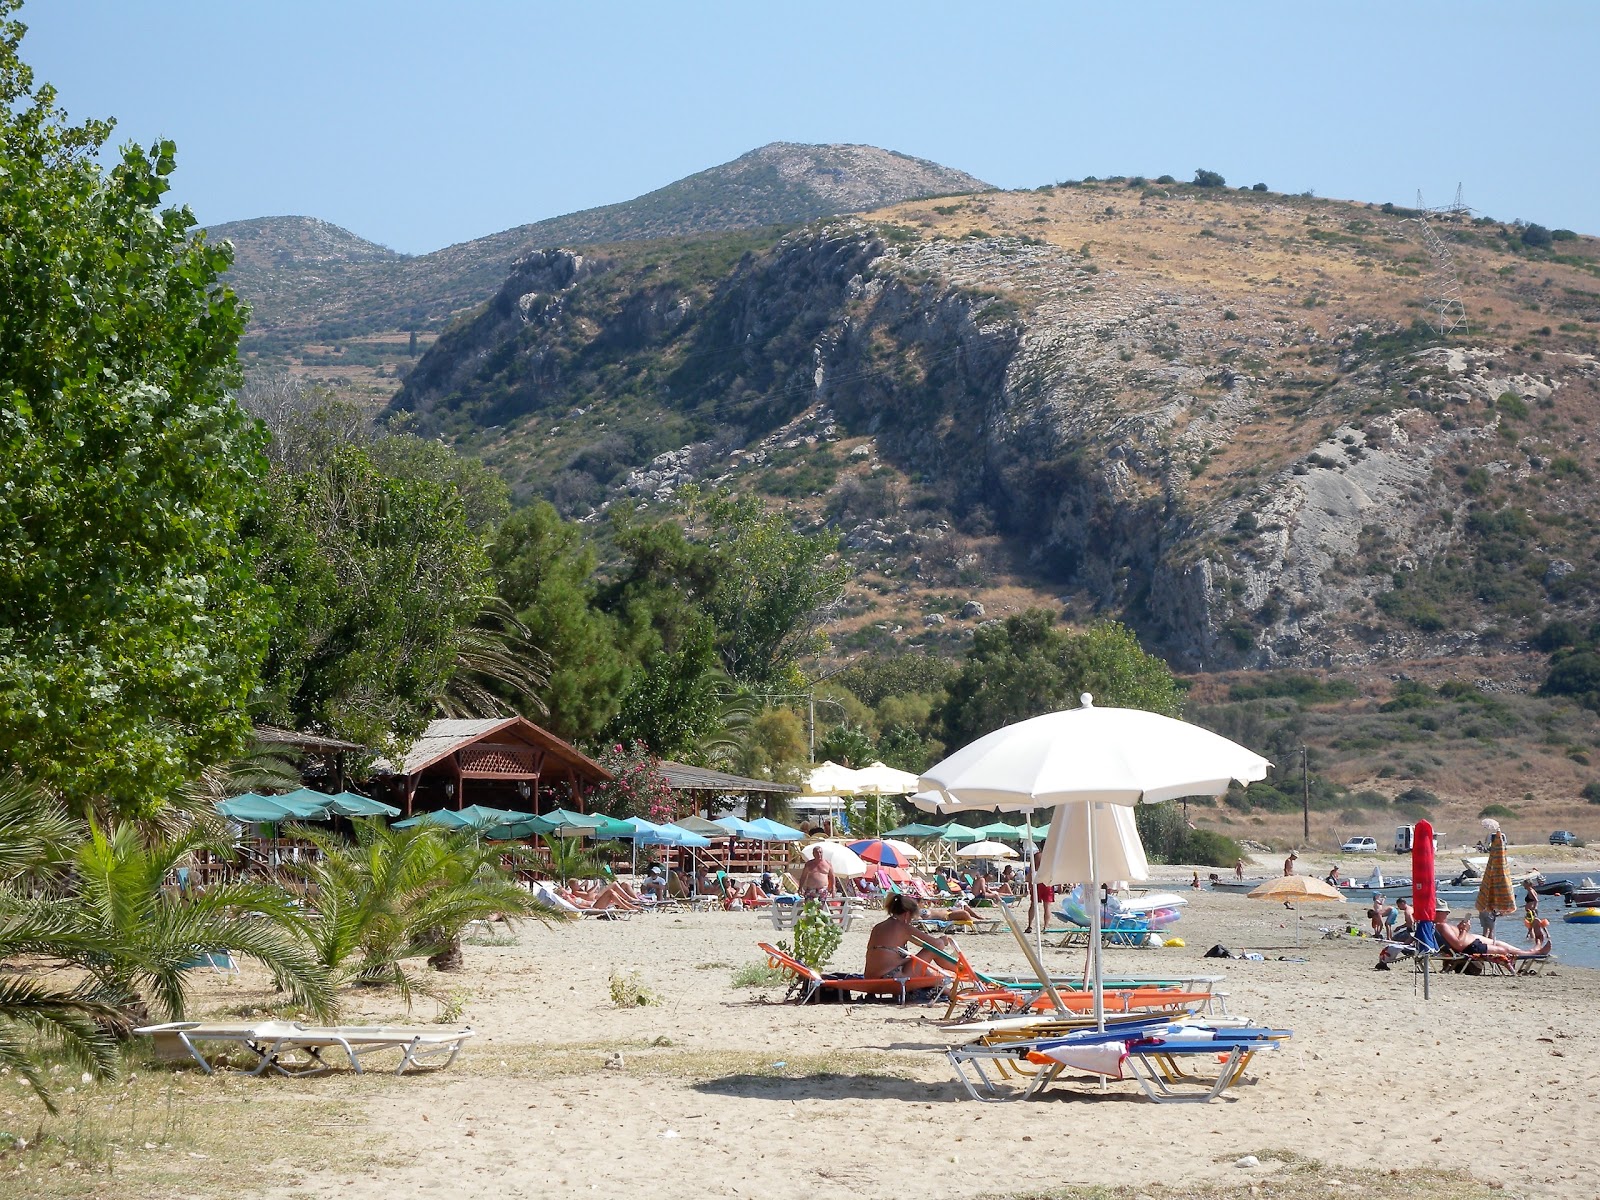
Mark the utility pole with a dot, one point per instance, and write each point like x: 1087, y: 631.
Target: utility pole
x: 1305, y: 794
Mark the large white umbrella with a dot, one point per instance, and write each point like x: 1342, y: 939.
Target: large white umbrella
x: 830, y: 779
x: 1095, y: 758
x: 986, y: 850
x: 884, y: 780
x: 846, y: 863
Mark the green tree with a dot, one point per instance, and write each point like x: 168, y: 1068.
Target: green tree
x: 774, y: 586
x: 1029, y: 666
x: 545, y: 572
x: 131, y: 622
x: 674, y: 702
x: 378, y: 577
x: 1208, y: 179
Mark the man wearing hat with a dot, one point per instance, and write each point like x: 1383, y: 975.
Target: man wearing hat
x: 1459, y: 938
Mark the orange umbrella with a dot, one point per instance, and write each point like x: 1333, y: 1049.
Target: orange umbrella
x: 1494, y: 893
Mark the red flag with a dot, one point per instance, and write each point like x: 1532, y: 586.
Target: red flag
x: 1424, y: 902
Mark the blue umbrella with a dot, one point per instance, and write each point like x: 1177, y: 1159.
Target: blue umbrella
x: 475, y: 815
x: 768, y: 830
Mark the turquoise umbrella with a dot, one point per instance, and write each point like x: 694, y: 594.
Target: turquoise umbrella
x: 476, y: 815
x: 961, y: 835
x: 916, y: 830
x: 250, y: 808
x: 349, y: 804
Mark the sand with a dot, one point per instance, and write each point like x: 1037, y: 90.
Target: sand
x: 726, y: 1092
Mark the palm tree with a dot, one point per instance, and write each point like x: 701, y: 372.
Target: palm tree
x: 141, y: 940
x: 569, y: 857
x: 395, y: 894
x: 498, y: 668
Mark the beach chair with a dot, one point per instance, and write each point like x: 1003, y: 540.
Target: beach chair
x: 810, y: 985
x: 1156, y: 1055
x: 292, y: 1049
x: 220, y: 961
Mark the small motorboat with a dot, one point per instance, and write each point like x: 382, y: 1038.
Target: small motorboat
x: 1236, y: 885
x: 1376, y: 882
x: 1583, y: 916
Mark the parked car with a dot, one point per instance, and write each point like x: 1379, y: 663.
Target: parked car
x: 1563, y: 837
x: 1360, y: 845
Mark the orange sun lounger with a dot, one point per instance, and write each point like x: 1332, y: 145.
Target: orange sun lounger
x: 812, y: 983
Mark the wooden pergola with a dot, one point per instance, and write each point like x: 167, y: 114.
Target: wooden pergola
x: 499, y: 762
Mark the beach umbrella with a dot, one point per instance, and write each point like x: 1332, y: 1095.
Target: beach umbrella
x: 846, y: 863
x: 738, y: 827
x: 986, y: 850
x: 916, y: 830
x: 830, y: 779
x: 349, y: 804
x: 960, y: 834
x: 1290, y: 888
x: 1097, y: 757
x: 1117, y: 851
x: 611, y: 827
x: 1494, y: 892
x: 250, y: 809
x: 703, y: 827
x: 767, y: 830
x: 477, y: 816
x: 884, y: 852
x: 882, y: 780
x: 507, y: 831
x: 999, y: 831
x: 573, y: 824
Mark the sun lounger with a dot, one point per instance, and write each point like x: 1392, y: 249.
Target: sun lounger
x: 1152, y: 1054
x: 1492, y: 964
x: 290, y: 1048
x: 811, y: 985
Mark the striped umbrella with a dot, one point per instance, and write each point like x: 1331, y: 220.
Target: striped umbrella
x: 887, y: 853
x: 1494, y: 893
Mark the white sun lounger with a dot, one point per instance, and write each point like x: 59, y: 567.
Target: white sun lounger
x: 289, y: 1048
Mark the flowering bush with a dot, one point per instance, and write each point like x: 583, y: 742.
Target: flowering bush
x: 639, y: 789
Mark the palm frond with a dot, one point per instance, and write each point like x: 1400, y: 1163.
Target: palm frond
x: 498, y: 668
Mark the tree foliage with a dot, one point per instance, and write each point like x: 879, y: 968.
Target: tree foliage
x: 377, y: 576
x: 545, y: 571
x: 1028, y: 666
x: 131, y: 621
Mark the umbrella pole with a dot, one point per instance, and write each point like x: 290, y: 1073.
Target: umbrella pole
x: 1094, y: 927
x: 1033, y: 882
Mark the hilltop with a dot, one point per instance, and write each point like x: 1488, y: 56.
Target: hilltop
x: 334, y: 305
x: 1213, y: 413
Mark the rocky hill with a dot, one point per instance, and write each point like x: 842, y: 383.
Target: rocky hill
x: 327, y: 302
x: 1214, y: 413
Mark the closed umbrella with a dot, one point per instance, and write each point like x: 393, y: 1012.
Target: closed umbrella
x: 1096, y: 757
x: 1494, y: 892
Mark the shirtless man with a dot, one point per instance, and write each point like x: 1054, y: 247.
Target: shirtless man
x: 1461, y: 940
x: 1288, y: 863
x: 817, y: 880
x: 887, y: 955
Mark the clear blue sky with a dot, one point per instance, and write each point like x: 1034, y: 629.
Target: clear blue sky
x: 419, y: 124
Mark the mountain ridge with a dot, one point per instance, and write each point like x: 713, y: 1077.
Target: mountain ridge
x: 311, y: 282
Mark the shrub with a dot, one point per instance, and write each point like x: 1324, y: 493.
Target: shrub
x: 758, y: 974
x: 1165, y: 179
x: 1497, y: 810
x: 1260, y: 187
x: 1408, y: 693
x: 1537, y: 236
x: 1591, y: 792
x: 1208, y: 179
x: 1562, y: 235
x: 816, y: 936
x: 629, y: 991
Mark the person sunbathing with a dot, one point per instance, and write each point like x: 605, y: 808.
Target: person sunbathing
x: 608, y: 897
x: 887, y: 954
x: 1461, y: 940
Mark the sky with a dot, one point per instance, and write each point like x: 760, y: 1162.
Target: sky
x: 420, y: 123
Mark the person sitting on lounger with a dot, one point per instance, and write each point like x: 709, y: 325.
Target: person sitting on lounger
x: 655, y: 886
x: 1461, y: 940
x: 887, y: 953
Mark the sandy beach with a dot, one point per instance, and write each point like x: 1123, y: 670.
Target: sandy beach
x: 723, y: 1092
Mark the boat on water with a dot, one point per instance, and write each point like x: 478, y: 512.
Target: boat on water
x: 1375, y: 883
x: 1236, y: 885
